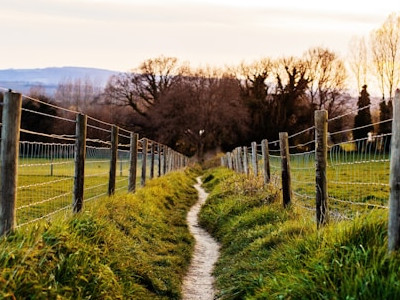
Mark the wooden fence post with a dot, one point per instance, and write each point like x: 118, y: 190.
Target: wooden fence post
x: 113, y: 161
x: 167, y: 152
x: 165, y: 159
x: 159, y: 158
x: 176, y: 165
x: 233, y: 157
x: 230, y: 163
x: 171, y: 160
x: 80, y: 157
x: 173, y: 167
x: 321, y: 157
x: 133, y: 153
x: 144, y: 161
x: 285, y: 160
x: 240, y: 160
x: 168, y: 160
x: 265, y: 155
x: 254, y: 158
x: 245, y: 161
x: 152, y: 158
x: 394, y: 181
x: 9, y: 160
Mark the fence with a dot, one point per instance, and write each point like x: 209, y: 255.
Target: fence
x: 44, y: 173
x: 314, y: 168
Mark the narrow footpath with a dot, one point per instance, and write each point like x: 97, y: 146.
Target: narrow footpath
x: 199, y: 282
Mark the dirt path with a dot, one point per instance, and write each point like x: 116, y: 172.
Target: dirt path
x: 199, y: 282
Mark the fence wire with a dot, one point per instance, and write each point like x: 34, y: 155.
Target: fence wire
x: 302, y: 168
x: 46, y: 165
x: 357, y: 169
x: 123, y: 156
x: 45, y: 180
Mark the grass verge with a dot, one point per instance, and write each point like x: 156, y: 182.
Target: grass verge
x: 125, y: 247
x: 273, y: 253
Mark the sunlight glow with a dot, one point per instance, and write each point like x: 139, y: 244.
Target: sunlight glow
x: 119, y: 34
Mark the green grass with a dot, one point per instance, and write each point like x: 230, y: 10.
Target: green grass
x: 355, y: 177
x: 124, y: 247
x: 273, y: 253
x: 46, y: 186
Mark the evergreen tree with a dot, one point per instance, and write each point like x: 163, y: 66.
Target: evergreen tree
x: 363, y: 119
x: 385, y: 113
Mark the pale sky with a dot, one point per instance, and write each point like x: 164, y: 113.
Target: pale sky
x: 119, y: 34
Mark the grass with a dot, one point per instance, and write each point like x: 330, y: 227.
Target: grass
x: 124, y: 247
x: 361, y: 178
x: 46, y: 186
x: 273, y: 253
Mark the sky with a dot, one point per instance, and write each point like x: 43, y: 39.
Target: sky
x: 120, y: 34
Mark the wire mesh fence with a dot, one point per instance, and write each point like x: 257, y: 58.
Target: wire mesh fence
x: 357, y: 170
x: 47, y: 161
x: 45, y: 180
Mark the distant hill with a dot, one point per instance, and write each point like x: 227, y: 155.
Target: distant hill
x: 22, y: 80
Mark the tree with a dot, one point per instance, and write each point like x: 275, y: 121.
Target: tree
x: 385, y: 125
x: 363, y: 120
x: 143, y: 88
x: 121, y: 90
x: 254, y: 80
x: 327, y: 76
x: 78, y: 94
x: 378, y: 59
x: 385, y: 48
x: 358, y: 60
x: 41, y: 122
x: 274, y: 93
x: 290, y: 110
x: 201, y: 112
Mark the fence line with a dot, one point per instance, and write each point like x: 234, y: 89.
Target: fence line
x: 356, y: 170
x: 61, y: 169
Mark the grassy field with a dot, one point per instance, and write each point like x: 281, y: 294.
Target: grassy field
x: 359, y: 179
x: 124, y: 247
x: 45, y: 186
x: 273, y: 253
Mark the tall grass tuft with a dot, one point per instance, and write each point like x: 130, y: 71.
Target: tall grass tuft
x: 125, y: 247
x: 273, y: 253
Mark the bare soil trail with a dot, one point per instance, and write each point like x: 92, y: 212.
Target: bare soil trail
x: 199, y: 282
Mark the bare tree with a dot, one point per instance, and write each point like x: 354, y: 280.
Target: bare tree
x: 358, y: 60
x: 327, y: 77
x: 142, y: 88
x: 290, y: 108
x: 253, y: 77
x: 255, y: 81
x: 121, y: 90
x: 391, y: 30
x: 378, y: 58
x: 78, y: 94
x: 385, y: 49
x: 201, y: 112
